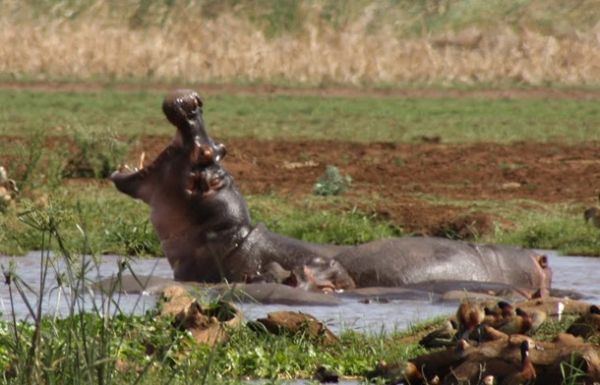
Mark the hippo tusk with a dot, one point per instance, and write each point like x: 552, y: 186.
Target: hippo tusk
x: 142, y: 158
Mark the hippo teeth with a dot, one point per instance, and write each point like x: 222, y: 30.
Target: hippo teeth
x: 127, y: 169
x: 124, y: 168
x: 142, y: 158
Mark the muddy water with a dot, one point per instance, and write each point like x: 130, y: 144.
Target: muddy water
x: 570, y: 273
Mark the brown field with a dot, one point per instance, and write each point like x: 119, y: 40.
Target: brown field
x: 426, y: 188
x: 419, y: 187
x: 195, y: 43
x: 401, y: 182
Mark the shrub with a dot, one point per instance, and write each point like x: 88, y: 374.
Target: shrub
x: 332, y: 182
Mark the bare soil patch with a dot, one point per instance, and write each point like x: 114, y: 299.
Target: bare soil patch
x: 332, y: 91
x: 408, y: 183
x: 425, y: 187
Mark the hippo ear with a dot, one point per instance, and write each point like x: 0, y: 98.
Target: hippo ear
x: 199, y: 101
x: 542, y: 261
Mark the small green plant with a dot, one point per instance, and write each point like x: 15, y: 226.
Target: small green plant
x: 96, y: 155
x: 572, y: 372
x: 34, y: 151
x: 332, y: 182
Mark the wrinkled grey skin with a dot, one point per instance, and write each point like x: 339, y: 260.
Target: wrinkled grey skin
x: 205, y: 230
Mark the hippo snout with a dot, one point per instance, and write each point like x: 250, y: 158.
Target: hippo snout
x: 181, y: 107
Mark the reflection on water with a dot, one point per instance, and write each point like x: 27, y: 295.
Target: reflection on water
x: 570, y: 273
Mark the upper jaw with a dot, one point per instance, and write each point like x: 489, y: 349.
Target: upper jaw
x: 183, y: 109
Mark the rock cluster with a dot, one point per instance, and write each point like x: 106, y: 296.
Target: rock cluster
x: 206, y: 324
x: 296, y: 323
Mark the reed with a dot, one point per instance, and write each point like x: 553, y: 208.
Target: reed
x: 79, y: 345
x: 309, y: 43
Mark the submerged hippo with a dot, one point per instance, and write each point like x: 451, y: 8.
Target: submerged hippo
x: 206, y: 233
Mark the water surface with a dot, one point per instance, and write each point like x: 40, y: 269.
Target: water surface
x: 570, y: 273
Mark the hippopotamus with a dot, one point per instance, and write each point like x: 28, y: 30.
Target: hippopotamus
x: 205, y: 230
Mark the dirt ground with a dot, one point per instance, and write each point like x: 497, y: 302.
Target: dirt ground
x: 408, y: 183
x: 573, y: 93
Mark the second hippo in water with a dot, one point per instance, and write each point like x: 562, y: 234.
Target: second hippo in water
x: 206, y: 233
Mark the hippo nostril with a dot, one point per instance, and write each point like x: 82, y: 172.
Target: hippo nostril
x: 189, y: 103
x: 202, y: 155
x: 208, y: 154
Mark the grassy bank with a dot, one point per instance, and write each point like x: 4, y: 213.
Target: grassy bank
x: 382, y: 43
x: 147, y: 350
x: 61, y: 146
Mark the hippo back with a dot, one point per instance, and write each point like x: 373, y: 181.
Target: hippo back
x: 410, y: 260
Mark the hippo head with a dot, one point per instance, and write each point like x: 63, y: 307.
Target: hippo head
x: 192, y: 150
x: 191, y: 196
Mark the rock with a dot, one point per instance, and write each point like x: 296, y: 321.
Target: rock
x: 295, y: 323
x: 206, y: 324
x: 324, y: 375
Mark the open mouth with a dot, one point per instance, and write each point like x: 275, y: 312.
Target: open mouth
x: 200, y: 166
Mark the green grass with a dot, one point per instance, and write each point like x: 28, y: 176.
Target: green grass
x: 157, y: 353
x: 366, y: 119
x: 309, y: 220
x: 536, y: 225
x: 117, y: 225
x: 568, y: 234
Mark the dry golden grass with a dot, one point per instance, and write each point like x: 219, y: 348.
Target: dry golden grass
x: 225, y: 48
